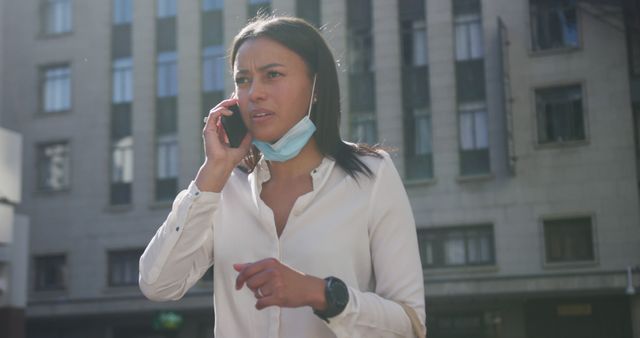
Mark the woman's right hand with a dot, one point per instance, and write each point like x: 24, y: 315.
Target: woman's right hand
x: 220, y: 158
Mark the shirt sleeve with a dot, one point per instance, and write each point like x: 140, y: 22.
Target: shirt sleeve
x: 396, y: 264
x: 181, y: 251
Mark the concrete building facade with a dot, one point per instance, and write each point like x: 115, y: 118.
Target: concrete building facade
x: 14, y: 227
x: 513, y: 123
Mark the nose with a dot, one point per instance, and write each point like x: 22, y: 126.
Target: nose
x: 257, y: 91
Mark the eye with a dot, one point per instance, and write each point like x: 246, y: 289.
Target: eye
x: 241, y: 80
x: 273, y: 74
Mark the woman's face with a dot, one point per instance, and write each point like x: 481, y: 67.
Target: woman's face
x: 273, y: 88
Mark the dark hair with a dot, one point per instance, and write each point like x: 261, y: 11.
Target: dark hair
x: 305, y: 40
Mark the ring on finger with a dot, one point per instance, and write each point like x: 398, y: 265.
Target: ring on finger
x: 206, y: 118
x: 259, y: 292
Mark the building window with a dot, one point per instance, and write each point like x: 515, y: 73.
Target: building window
x: 554, y: 24
x: 166, y: 8
x: 568, y: 240
x: 213, y: 68
x: 258, y: 7
x: 363, y: 128
x: 361, y: 76
x: 121, y: 170
x: 309, y: 10
x: 418, y: 161
x: 360, y: 51
x: 167, y: 167
x: 167, y: 156
x: 470, y: 88
x: 53, y: 166
x: 50, y: 272
x: 414, y: 43
x: 122, y: 11
x: 468, y: 37
x: 122, y: 80
x: 456, y: 246
x: 56, y: 88
x: 474, y: 142
x: 167, y: 81
x: 210, y: 5
x: 560, y: 114
x: 123, y: 267
x: 57, y: 16
x: 212, y: 27
x: 473, y: 129
x: 415, y: 90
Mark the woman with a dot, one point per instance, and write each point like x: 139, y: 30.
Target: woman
x: 312, y: 237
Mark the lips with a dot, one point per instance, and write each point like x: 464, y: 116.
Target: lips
x: 260, y: 114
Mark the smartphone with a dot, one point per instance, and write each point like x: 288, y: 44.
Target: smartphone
x: 234, y: 126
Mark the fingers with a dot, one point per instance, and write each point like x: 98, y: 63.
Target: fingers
x: 247, y: 270
x: 267, y: 301
x: 226, y: 103
x: 221, y: 108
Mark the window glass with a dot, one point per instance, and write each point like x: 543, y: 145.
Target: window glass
x: 56, y: 89
x: 553, y: 24
x: 167, y: 79
x: 53, y: 166
x: 50, y: 272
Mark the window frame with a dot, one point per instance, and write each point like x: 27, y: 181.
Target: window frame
x: 110, y: 268
x: 122, y: 66
x: 119, y: 19
x: 258, y: 7
x: 316, y: 6
x: 217, y: 55
x: 211, y: 5
x: 164, y: 60
x: 36, y: 273
x: 585, y: 116
x: 168, y: 6
x: 39, y: 163
x: 559, y: 50
x: 42, y: 81
x: 545, y: 263
x: 43, y: 31
x: 441, y: 231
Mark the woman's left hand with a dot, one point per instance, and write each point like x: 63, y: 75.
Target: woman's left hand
x: 274, y: 283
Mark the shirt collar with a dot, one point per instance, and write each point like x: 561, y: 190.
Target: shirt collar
x: 261, y: 174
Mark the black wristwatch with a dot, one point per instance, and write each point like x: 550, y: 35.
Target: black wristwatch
x: 337, y: 295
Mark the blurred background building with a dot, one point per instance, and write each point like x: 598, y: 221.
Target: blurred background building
x: 14, y: 227
x: 516, y: 124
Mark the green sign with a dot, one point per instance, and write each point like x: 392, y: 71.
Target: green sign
x: 168, y: 320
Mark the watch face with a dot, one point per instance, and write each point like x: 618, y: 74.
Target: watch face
x: 339, y: 292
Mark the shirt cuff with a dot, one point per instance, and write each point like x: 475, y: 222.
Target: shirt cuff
x: 205, y: 196
x: 339, y: 324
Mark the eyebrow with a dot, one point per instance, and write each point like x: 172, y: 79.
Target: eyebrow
x: 263, y: 68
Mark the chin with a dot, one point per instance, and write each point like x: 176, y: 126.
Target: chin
x: 265, y: 137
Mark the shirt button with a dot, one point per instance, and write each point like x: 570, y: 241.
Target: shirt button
x: 177, y: 228
x: 197, y: 193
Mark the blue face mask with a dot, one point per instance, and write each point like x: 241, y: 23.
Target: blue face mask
x: 290, y: 144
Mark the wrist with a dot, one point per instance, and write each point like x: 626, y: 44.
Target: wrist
x: 212, y: 177
x: 316, y: 294
x: 337, y: 297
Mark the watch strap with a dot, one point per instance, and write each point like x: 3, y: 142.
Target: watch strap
x: 336, y: 295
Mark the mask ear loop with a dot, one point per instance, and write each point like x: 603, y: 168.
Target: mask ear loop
x: 313, y: 91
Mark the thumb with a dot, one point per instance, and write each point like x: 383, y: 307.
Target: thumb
x: 240, y: 266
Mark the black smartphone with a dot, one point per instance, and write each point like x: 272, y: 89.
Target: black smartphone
x: 234, y: 126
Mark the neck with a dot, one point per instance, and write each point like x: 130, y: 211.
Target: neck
x: 308, y: 159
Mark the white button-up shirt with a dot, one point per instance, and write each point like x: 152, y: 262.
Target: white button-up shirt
x: 361, y: 231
